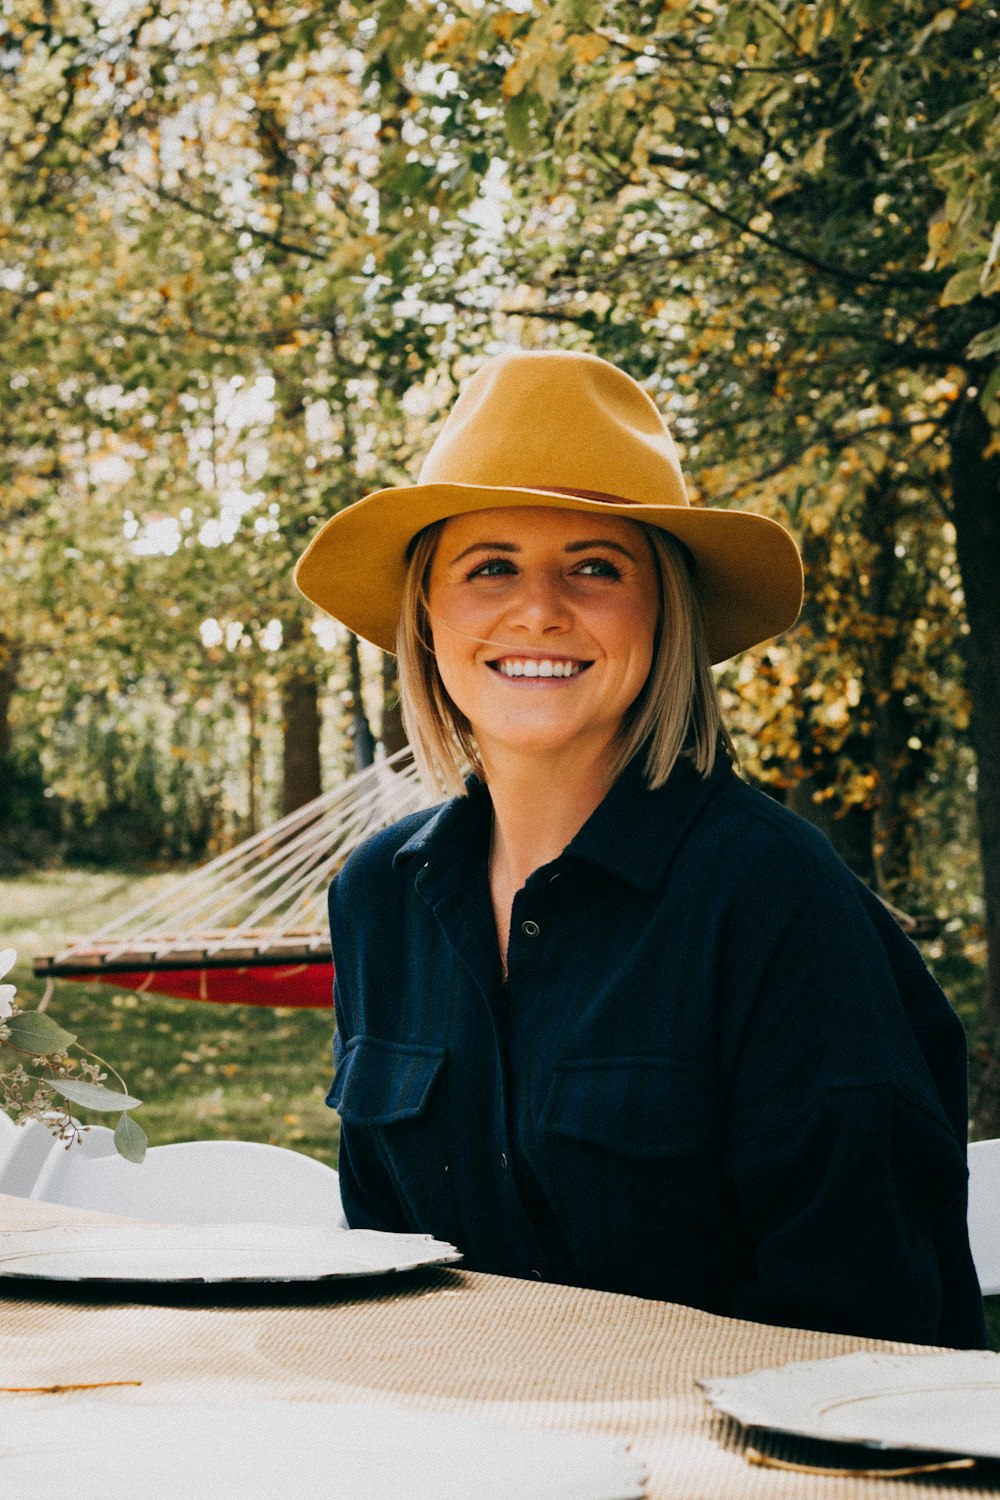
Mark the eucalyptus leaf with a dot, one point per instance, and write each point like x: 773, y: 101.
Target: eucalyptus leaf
x: 985, y: 343
x: 92, y: 1095
x: 130, y: 1140
x: 38, y: 1034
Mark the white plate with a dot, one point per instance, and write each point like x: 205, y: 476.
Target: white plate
x: 213, y: 1252
x: 947, y: 1403
x: 102, y: 1450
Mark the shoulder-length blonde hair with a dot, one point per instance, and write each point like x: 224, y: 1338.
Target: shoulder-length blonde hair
x: 676, y: 711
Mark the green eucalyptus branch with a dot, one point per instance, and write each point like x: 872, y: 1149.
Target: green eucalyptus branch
x: 43, y: 1068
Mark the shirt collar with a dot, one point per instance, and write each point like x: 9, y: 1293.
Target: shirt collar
x: 451, y: 826
x: 633, y: 834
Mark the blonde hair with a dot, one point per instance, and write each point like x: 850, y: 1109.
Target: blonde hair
x: 676, y: 712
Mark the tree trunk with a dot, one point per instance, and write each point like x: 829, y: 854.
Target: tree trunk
x: 899, y: 778
x: 975, y: 484
x: 393, y: 733
x: 301, y: 723
x: 359, y: 731
x: 253, y: 759
x: 8, y: 683
x: 850, y: 833
x: 900, y: 769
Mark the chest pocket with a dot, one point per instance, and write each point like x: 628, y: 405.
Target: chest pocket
x: 635, y: 1150
x: 387, y: 1090
x: 381, y: 1083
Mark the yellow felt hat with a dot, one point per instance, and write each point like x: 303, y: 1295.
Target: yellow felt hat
x: 527, y: 428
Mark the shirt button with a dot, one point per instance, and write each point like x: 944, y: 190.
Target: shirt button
x: 504, y: 1164
x: 530, y: 929
x: 535, y: 1275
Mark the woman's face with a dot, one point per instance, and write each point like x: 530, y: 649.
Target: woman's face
x: 543, y: 624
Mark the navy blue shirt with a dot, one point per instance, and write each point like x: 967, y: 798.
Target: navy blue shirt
x: 719, y: 1073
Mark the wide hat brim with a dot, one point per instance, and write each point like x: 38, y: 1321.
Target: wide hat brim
x: 747, y: 570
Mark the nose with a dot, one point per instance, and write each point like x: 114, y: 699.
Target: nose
x: 541, y: 606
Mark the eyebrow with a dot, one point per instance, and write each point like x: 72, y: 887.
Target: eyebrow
x: 599, y: 541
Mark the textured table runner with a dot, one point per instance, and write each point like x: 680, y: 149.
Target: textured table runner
x: 443, y: 1340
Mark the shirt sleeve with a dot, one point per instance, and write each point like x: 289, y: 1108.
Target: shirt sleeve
x: 854, y: 1212
x: 848, y: 1173
x: 366, y: 1190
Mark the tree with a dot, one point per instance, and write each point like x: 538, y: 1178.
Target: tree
x: 206, y: 355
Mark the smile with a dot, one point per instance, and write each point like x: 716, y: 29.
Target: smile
x: 533, y: 666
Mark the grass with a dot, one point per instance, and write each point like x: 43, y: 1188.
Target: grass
x: 203, y: 1071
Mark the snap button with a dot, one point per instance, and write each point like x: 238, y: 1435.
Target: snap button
x: 530, y: 929
x: 503, y: 1161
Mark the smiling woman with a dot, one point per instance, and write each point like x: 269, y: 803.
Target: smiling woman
x: 675, y: 699
x: 609, y: 1016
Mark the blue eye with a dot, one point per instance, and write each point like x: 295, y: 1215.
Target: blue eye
x: 599, y: 567
x: 494, y: 567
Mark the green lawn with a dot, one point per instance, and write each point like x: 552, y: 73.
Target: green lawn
x: 202, y: 1070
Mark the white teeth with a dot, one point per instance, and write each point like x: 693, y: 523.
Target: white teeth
x: 530, y: 667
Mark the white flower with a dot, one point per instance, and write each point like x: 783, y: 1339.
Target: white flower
x: 8, y: 958
x: 7, y: 993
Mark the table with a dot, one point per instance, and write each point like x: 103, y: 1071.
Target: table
x: 441, y: 1340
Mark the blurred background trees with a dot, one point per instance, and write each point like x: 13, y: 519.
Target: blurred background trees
x: 247, y: 254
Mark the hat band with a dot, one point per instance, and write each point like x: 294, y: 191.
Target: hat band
x: 602, y: 495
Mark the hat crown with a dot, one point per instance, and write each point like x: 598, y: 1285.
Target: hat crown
x: 560, y: 421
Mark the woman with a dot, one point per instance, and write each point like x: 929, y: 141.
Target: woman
x: 609, y: 1016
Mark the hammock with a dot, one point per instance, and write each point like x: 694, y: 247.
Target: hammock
x: 249, y: 927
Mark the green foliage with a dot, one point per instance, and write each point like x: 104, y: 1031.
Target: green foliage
x: 37, y: 1041
x: 93, y: 1095
x: 130, y: 1140
x: 206, y: 355
x: 36, y: 1035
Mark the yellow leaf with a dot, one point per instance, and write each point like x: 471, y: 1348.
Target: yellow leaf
x: 814, y: 158
x: 585, y: 48
x: 452, y: 36
x: 515, y: 78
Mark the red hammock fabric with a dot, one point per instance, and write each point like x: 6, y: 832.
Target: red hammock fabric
x: 299, y: 986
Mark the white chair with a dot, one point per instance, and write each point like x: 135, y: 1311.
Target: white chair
x: 984, y: 1213
x: 198, y: 1182
x: 27, y: 1150
x: 8, y: 1135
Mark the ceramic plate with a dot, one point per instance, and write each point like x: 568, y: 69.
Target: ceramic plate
x: 213, y: 1252
x: 946, y: 1403
x: 102, y: 1450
